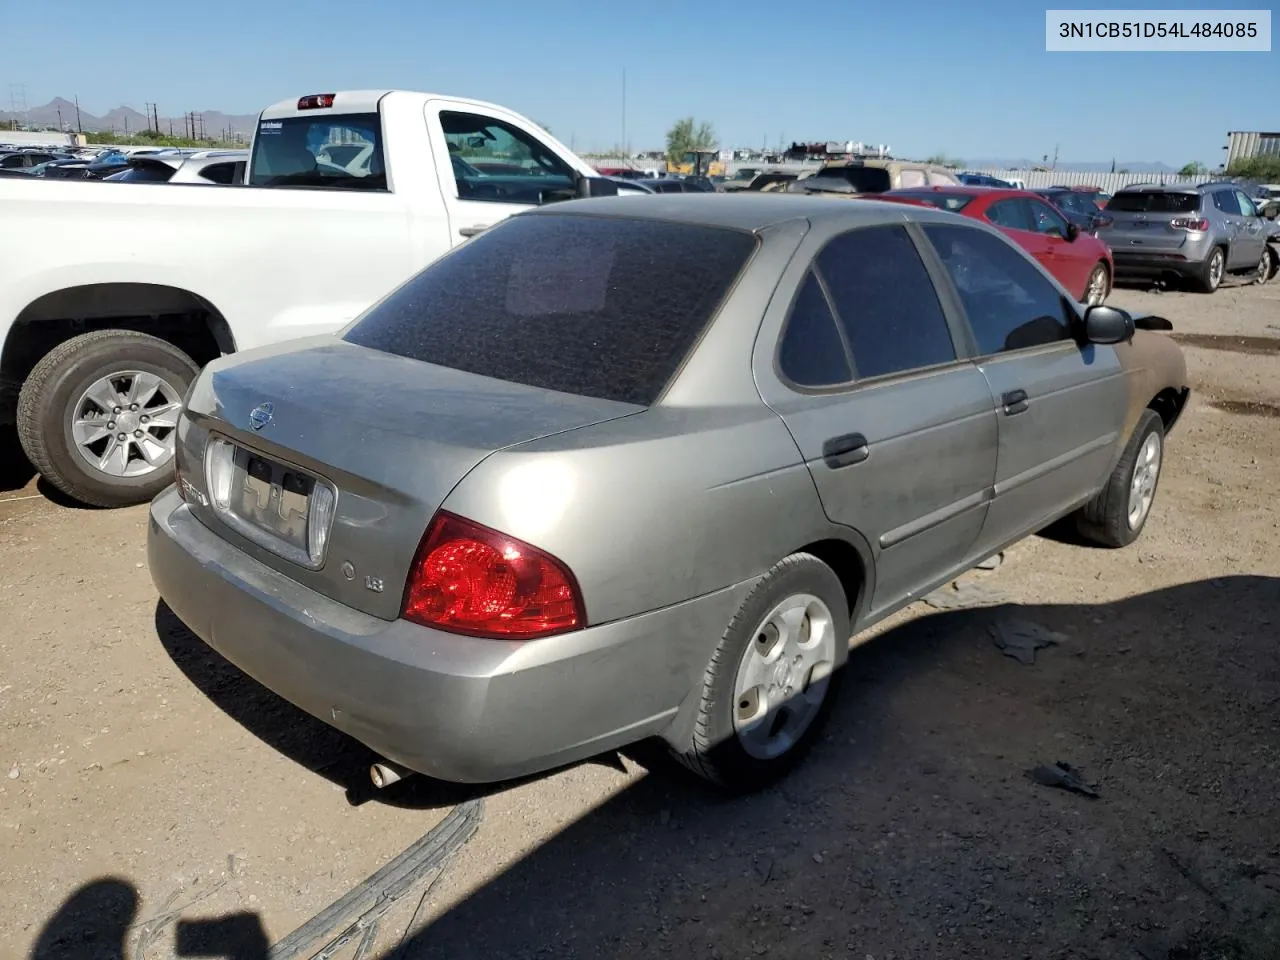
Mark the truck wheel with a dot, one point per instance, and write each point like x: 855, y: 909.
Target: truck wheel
x: 1116, y: 516
x: 771, y: 682
x: 98, y: 415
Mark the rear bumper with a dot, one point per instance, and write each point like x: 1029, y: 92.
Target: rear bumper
x: 1187, y: 260
x: 452, y: 707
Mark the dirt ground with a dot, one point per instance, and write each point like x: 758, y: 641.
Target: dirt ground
x: 156, y: 803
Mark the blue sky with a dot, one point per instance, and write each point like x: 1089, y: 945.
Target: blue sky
x: 971, y: 80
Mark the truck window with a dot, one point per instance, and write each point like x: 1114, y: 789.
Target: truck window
x: 498, y: 162
x: 340, y: 151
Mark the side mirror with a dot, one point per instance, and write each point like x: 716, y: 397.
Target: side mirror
x: 587, y: 187
x: 1073, y: 231
x: 1104, y: 324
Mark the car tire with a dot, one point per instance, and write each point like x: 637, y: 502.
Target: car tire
x: 730, y: 748
x: 1118, y: 514
x: 1267, y: 265
x: 105, y: 363
x: 1104, y: 280
x: 1215, y: 268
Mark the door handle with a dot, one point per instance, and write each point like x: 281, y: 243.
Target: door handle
x: 1015, y: 401
x: 845, y: 451
x: 472, y: 231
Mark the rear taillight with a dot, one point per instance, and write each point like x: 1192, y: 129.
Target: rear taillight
x: 1189, y: 223
x: 469, y: 579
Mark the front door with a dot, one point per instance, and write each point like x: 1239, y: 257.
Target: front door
x: 896, y: 428
x: 1252, y: 236
x: 490, y: 167
x: 1060, y: 406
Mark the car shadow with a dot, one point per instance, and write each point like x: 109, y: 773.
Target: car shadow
x: 16, y: 470
x: 296, y: 734
x: 914, y: 827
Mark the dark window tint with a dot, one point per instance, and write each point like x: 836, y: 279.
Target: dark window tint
x: 1011, y: 214
x: 1010, y: 304
x: 885, y: 302
x: 320, y: 150
x: 812, y: 354
x: 600, y: 307
x: 146, y: 173
x: 863, y: 179
x: 1140, y: 201
x: 1225, y: 200
x: 222, y: 172
x: 1046, y: 219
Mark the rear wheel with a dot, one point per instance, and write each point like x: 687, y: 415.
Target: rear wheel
x: 98, y: 415
x: 1117, y: 515
x: 770, y: 685
x: 1266, y: 265
x: 1210, y: 276
x: 1099, y: 285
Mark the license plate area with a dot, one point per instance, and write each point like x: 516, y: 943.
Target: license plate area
x: 280, y: 507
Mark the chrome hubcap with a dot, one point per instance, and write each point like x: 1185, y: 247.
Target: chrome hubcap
x: 1264, y: 266
x: 1142, y: 488
x: 1097, y: 287
x: 125, y: 424
x: 783, y: 677
x: 1215, y: 268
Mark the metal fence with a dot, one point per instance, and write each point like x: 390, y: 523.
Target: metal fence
x: 1034, y: 179
x: 1108, y: 182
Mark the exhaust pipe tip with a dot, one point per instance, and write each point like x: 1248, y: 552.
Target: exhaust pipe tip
x: 385, y: 773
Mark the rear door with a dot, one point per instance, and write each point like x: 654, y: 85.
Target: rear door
x: 897, y: 429
x: 1061, y: 406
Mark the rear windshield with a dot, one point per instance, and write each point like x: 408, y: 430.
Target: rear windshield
x: 1141, y: 201
x: 943, y: 201
x: 864, y: 179
x: 593, y: 306
x: 326, y: 150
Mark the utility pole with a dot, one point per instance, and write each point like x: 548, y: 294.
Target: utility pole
x: 79, y: 127
x: 146, y: 108
x: 1055, y: 157
x: 624, y: 111
x: 171, y: 126
x: 59, y: 119
x: 126, y: 125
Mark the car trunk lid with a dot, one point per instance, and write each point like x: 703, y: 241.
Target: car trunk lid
x: 389, y: 437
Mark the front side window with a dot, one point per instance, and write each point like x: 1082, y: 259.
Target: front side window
x: 1012, y: 215
x: 1246, y: 205
x: 342, y: 151
x: 1047, y: 220
x: 885, y: 302
x: 1009, y: 303
x: 605, y: 307
x: 499, y: 162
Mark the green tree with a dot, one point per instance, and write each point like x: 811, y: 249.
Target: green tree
x: 942, y: 160
x: 688, y: 134
x: 1266, y: 169
x: 1192, y: 169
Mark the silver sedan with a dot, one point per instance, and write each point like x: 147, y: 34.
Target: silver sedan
x: 611, y: 471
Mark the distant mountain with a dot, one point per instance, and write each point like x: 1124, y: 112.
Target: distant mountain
x: 1133, y: 166
x: 123, y: 119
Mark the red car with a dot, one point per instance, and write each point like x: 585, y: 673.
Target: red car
x: 1080, y: 262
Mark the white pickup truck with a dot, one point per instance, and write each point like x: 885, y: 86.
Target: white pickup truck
x: 112, y: 295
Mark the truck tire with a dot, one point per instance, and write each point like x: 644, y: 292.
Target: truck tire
x: 97, y: 416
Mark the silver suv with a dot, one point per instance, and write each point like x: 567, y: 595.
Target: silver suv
x: 1198, y: 233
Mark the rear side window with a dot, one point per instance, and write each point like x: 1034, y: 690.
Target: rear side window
x: 1225, y: 200
x: 885, y: 302
x: 1012, y: 215
x: 812, y: 353
x: 1139, y: 201
x: 943, y: 201
x: 863, y: 179
x: 593, y: 306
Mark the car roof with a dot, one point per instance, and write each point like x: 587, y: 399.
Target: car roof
x: 753, y: 212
